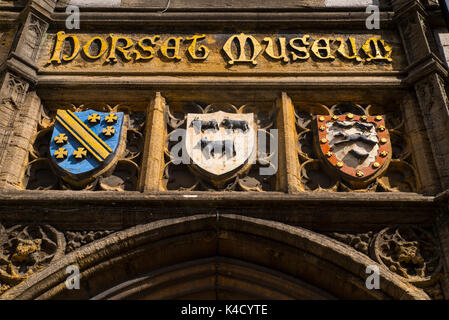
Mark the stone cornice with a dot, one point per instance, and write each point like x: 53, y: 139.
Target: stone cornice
x: 111, y: 210
x: 254, y: 20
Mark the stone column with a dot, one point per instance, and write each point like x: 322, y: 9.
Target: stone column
x: 427, y: 74
x: 153, y: 155
x: 19, y: 105
x: 423, y: 160
x: 288, y: 169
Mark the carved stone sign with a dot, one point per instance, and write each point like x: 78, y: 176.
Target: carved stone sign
x: 220, y: 52
x: 220, y: 144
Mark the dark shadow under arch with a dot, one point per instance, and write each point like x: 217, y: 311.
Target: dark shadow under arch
x: 214, y: 278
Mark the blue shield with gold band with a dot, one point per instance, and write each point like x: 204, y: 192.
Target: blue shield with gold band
x: 85, y: 142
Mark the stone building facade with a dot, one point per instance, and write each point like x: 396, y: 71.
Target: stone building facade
x: 223, y: 149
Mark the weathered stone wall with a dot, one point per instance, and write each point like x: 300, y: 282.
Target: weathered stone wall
x: 442, y: 37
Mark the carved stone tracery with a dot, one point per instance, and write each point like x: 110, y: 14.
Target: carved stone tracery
x: 33, y: 34
x: 14, y: 88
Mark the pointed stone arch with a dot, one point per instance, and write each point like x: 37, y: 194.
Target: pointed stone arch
x: 230, y: 256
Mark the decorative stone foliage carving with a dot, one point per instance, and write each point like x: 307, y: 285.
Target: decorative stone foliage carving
x: 409, y: 251
x: 359, y: 241
x: 435, y: 291
x: 182, y: 176
x: 123, y: 175
x: 314, y: 176
x: 77, y: 239
x: 25, y: 250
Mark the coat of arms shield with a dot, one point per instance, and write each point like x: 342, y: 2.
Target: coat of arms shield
x: 220, y: 144
x: 357, y: 147
x: 85, y: 143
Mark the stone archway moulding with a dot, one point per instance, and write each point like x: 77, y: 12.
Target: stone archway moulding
x: 296, y: 252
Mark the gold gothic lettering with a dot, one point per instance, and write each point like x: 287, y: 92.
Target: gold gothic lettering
x: 304, y: 41
x: 243, y: 42
x: 283, y: 49
x: 172, y: 51
x: 146, y: 48
x: 351, y: 53
x: 377, y: 50
x: 321, y: 48
x: 61, y: 37
x: 237, y: 49
x: 122, y: 45
x: 202, y: 49
x: 102, y: 49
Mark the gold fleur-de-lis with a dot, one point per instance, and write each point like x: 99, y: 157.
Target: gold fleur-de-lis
x: 94, y: 118
x: 61, y: 138
x: 81, y: 153
x: 109, y: 131
x: 111, y: 118
x: 61, y: 153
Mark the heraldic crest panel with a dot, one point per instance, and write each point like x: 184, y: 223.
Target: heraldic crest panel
x: 222, y: 147
x: 86, y: 148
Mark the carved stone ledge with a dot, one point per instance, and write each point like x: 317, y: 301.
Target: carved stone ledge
x: 93, y: 210
x: 42, y: 7
x: 422, y: 69
x: 402, y: 7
